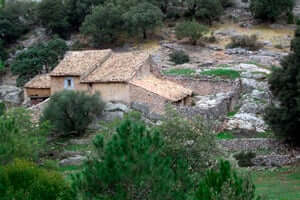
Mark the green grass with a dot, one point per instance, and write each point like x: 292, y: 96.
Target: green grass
x: 180, y: 72
x: 224, y: 73
x: 283, y: 184
x: 226, y: 135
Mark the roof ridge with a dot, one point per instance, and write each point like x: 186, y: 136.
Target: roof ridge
x: 97, y: 65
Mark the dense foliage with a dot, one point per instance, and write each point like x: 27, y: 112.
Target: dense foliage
x: 70, y: 112
x: 271, y: 9
x: 22, y: 180
x: 224, y: 183
x: 249, y: 42
x: 37, y: 59
x: 142, y: 18
x: 284, y: 82
x: 19, y: 137
x: 121, y: 17
x: 179, y: 57
x: 131, y: 166
x: 16, y: 19
x: 206, y: 10
x: 192, y: 30
x: 52, y: 14
x: 188, y: 140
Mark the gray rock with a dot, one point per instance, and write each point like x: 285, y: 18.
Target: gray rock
x: 11, y: 94
x: 246, y: 121
x: 264, y: 60
x: 143, y: 108
x: 272, y: 160
x: 111, y: 116
x: 75, y: 161
x: 80, y: 141
x: 112, y: 107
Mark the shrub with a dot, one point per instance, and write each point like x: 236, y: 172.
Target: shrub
x: 245, y: 41
x: 224, y: 183
x: 19, y: 137
x: 23, y: 180
x: 271, y: 9
x: 283, y: 117
x: 179, y: 57
x: 244, y: 158
x: 188, y: 140
x: 192, y: 30
x: 53, y: 16
x: 37, y: 59
x: 131, y: 166
x: 70, y: 112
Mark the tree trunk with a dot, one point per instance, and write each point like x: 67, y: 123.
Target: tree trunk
x: 144, y: 34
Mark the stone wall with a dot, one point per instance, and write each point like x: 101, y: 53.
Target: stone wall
x: 153, y: 103
x: 57, y: 84
x: 118, y: 92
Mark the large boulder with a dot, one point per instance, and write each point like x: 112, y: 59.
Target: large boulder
x: 11, y: 94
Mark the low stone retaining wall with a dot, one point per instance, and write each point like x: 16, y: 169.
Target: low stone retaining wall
x: 249, y: 144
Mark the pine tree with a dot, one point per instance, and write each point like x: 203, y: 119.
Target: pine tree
x: 284, y: 118
x: 131, y: 166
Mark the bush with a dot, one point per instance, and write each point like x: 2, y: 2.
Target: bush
x: 283, y: 117
x: 37, y: 59
x: 179, y: 57
x: 188, y: 140
x: 23, y: 180
x: 245, y: 41
x: 271, y: 9
x: 19, y: 137
x: 192, y: 30
x: 224, y: 183
x: 244, y: 159
x: 131, y: 166
x: 53, y: 16
x: 70, y: 112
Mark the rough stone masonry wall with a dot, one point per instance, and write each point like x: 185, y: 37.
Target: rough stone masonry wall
x: 152, y: 103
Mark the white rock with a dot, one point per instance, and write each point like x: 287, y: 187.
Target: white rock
x: 111, y: 107
x: 246, y: 121
x: 11, y: 94
x: 75, y: 161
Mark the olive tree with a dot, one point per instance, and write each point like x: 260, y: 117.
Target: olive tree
x: 70, y: 112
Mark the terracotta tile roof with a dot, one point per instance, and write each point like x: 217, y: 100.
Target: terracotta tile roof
x: 41, y: 81
x: 167, y: 89
x: 78, y: 63
x: 120, y: 67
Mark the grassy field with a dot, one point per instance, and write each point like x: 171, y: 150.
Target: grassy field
x: 283, y: 184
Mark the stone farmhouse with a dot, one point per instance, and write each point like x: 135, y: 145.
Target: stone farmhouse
x: 118, y: 77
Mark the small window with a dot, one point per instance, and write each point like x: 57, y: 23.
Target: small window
x: 69, y: 83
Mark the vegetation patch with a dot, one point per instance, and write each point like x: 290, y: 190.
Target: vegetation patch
x: 282, y: 184
x: 226, y: 135
x: 179, y: 57
x: 180, y: 72
x: 224, y: 73
x: 244, y: 158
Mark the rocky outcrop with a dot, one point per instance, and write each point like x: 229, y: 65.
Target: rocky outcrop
x: 11, y: 94
x: 73, y: 161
